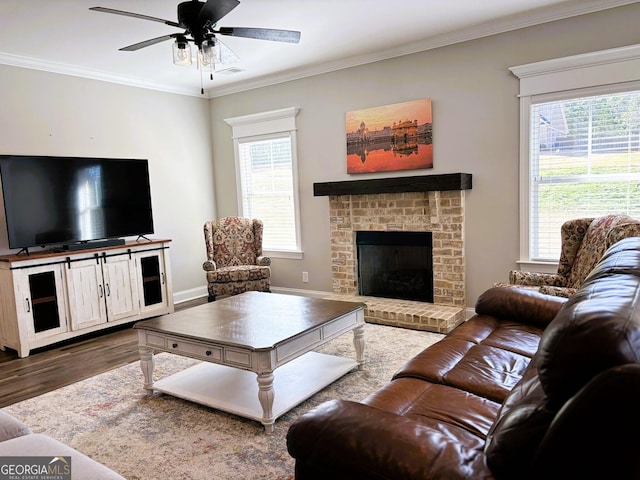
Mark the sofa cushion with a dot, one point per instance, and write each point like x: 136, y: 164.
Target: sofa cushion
x: 82, y: 467
x: 430, y: 403
x: 346, y: 440
x: 519, y: 427
x: 483, y: 356
x: 11, y: 427
x: 241, y: 273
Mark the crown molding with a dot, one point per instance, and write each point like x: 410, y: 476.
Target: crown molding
x: 515, y: 22
x: 529, y: 19
x: 65, y: 69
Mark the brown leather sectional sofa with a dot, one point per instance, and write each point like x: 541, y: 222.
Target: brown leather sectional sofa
x: 532, y: 387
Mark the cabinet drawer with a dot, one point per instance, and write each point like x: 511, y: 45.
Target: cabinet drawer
x: 206, y: 352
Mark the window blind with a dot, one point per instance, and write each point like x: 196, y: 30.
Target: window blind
x: 584, y: 161
x: 267, y: 188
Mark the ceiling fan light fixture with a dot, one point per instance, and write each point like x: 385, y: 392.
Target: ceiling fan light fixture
x: 203, y: 62
x: 208, y: 55
x: 210, y: 51
x: 181, y: 51
x: 198, y: 20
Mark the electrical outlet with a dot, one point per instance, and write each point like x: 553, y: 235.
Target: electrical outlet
x: 305, y: 277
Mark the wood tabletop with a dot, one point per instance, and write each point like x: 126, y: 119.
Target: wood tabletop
x: 257, y: 320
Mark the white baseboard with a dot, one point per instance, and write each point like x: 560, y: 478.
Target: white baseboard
x: 469, y: 312
x: 301, y: 292
x: 191, y: 294
x: 200, y: 292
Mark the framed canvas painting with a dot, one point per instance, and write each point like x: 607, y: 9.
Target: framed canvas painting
x: 390, y: 138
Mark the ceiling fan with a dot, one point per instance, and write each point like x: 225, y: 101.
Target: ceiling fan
x: 199, y: 19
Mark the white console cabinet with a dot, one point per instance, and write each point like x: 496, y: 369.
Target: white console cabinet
x: 47, y: 297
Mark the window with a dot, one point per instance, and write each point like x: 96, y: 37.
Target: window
x: 580, y: 144
x: 584, y: 162
x: 266, y: 168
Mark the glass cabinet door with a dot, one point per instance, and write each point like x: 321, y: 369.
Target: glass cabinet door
x: 152, y: 280
x: 44, y: 300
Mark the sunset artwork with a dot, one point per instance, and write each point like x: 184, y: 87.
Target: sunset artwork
x: 390, y: 138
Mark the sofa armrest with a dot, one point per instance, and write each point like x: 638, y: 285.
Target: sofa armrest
x: 263, y: 261
x: 558, y: 291
x: 209, y: 266
x: 521, y: 305
x: 534, y: 279
x: 82, y: 466
x: 11, y: 427
x: 343, y: 439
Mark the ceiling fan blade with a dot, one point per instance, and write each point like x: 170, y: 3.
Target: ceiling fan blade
x: 147, y: 43
x: 214, y: 10
x: 134, y: 15
x: 289, y: 36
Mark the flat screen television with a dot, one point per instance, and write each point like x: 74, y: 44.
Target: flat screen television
x: 72, y: 201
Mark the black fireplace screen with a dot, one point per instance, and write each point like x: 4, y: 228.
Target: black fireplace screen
x: 395, y: 265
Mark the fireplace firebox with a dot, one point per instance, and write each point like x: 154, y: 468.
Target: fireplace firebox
x: 395, y: 264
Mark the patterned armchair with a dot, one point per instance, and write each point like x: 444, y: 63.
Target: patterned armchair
x: 235, y: 263
x: 584, y: 241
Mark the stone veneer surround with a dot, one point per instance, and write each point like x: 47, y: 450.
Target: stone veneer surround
x: 433, y: 203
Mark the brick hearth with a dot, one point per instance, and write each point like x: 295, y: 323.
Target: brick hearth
x: 439, y: 210
x: 407, y: 313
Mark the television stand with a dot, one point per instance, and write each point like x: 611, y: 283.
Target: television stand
x: 49, y: 297
x: 109, y: 242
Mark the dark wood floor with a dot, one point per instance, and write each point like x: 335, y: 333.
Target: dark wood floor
x: 53, y: 367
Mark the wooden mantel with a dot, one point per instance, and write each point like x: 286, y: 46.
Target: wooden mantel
x: 421, y: 183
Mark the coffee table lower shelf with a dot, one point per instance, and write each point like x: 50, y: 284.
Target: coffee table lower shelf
x: 236, y: 391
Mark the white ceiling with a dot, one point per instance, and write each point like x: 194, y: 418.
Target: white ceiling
x: 64, y: 36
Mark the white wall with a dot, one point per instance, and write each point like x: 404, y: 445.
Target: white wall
x: 50, y: 114
x: 475, y: 131
x: 475, y: 115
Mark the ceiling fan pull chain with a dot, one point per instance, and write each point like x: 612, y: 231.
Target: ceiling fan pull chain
x: 201, y: 84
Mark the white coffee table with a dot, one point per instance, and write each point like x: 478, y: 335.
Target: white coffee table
x: 253, y: 336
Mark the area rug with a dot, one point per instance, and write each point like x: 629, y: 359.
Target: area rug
x: 109, y: 417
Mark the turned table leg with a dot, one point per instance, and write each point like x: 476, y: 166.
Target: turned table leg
x: 266, y: 396
x: 147, y: 364
x: 358, y: 343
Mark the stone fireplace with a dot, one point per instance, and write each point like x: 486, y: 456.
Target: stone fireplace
x: 430, y: 203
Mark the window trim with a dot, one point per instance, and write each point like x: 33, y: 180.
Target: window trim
x: 610, y: 70
x: 262, y: 125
